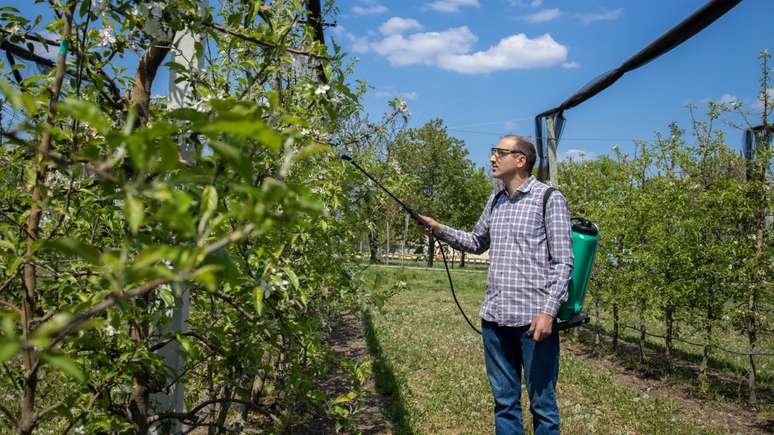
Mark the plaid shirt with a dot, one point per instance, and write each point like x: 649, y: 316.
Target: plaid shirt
x: 522, y: 281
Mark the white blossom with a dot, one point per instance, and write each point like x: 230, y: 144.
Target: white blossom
x: 110, y: 331
x: 108, y: 36
x: 321, y: 89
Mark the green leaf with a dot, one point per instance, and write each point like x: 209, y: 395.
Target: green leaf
x: 345, y: 397
x: 273, y: 189
x: 292, y: 277
x: 206, y: 275
x: 64, y: 364
x: 258, y: 299
x: 135, y: 212
x: 74, y: 247
x: 167, y: 296
x: 316, y: 395
x: 43, y: 332
x: 185, y: 343
x: 8, y: 348
x: 150, y: 255
x: 17, y: 99
x: 247, y: 128
x: 87, y: 113
x: 187, y: 114
x: 232, y: 155
x: 209, y: 200
x: 311, y: 150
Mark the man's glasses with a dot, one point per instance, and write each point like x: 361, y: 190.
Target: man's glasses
x: 502, y: 152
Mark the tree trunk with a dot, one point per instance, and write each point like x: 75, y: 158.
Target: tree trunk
x: 29, y: 308
x: 596, y: 314
x: 389, y: 242
x: 752, y: 340
x: 615, y: 326
x: 146, y: 74
x: 669, y: 316
x: 704, y: 370
x: 462, y: 259
x: 430, y: 250
x: 373, y: 247
x: 642, y: 330
x: 403, y: 247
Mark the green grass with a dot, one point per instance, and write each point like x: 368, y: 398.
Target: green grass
x: 432, y: 363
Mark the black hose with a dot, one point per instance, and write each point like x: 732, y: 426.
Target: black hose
x: 451, y: 286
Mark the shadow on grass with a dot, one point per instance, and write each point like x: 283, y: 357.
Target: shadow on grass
x: 723, y: 381
x: 386, y: 382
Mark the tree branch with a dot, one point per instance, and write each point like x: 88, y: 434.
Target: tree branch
x: 8, y: 414
x: 11, y: 306
x: 260, y: 42
x: 191, y: 415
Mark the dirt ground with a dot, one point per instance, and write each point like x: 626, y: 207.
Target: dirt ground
x: 732, y: 416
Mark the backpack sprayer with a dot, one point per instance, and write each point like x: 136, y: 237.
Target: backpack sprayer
x: 585, y: 235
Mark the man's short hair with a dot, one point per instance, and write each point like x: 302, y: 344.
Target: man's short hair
x: 525, y: 146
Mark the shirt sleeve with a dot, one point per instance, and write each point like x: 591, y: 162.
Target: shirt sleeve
x: 559, y: 235
x: 476, y: 241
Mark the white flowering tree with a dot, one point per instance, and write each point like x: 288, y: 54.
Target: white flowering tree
x: 103, y: 221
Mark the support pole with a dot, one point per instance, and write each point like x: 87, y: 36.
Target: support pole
x: 553, y: 170
x: 180, y: 95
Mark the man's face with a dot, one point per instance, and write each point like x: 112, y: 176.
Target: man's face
x: 506, y: 165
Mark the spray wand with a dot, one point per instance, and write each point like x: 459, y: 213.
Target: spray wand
x: 414, y: 215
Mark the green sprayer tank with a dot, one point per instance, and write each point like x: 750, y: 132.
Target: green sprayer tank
x: 584, y: 247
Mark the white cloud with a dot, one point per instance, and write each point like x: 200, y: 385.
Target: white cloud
x: 577, y: 155
x: 605, y: 15
x: 451, y: 50
x: 370, y: 7
x: 396, y: 25
x: 543, y: 16
x: 513, y: 52
x: 425, y: 48
x: 570, y: 65
x: 451, y: 5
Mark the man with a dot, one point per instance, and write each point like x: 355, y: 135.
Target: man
x: 530, y: 266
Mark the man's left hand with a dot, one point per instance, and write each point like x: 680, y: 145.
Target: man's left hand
x: 541, y: 326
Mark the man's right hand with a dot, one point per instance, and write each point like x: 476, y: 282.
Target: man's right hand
x: 435, y: 227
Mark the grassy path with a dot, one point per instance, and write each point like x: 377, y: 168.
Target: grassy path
x: 431, y: 363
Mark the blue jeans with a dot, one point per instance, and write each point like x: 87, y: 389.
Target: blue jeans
x: 506, y: 351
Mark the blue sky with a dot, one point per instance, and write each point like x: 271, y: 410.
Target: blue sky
x: 487, y: 67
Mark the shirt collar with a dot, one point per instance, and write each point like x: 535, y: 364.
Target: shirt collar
x: 524, y: 187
